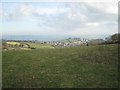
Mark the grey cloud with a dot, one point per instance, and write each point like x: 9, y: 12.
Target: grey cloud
x: 76, y: 15
x: 91, y: 14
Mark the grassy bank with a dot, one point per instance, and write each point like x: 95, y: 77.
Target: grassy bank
x: 77, y: 67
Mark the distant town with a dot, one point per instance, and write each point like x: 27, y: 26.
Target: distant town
x: 69, y: 42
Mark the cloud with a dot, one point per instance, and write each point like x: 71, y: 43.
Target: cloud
x: 76, y: 1
x: 2, y: 13
x: 82, y: 15
x: 49, y: 11
x: 111, y: 7
x: 68, y: 19
x: 83, y: 11
x: 93, y: 24
x: 26, y: 10
x: 19, y: 12
x: 96, y: 11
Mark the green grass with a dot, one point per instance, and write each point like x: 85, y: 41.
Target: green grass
x: 75, y: 67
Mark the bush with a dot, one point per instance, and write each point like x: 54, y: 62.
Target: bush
x: 32, y: 48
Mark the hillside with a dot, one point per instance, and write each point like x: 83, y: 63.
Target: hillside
x: 69, y: 42
x: 96, y: 41
x: 74, y: 67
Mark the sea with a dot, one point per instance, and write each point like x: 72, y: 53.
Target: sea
x: 50, y: 38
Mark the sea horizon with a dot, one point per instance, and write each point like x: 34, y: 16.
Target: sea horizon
x: 50, y: 37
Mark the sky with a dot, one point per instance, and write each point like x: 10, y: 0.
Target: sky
x: 59, y: 19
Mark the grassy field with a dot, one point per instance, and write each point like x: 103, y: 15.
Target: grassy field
x: 75, y: 67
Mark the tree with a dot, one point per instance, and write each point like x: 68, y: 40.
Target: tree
x: 115, y: 38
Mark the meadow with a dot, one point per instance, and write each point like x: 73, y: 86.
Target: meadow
x: 73, y: 67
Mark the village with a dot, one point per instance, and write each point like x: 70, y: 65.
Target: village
x: 30, y: 44
x: 69, y: 42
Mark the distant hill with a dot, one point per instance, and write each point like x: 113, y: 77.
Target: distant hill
x: 70, y: 40
x: 115, y: 38
x: 96, y: 41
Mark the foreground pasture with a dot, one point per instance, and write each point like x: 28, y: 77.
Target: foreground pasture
x: 75, y: 67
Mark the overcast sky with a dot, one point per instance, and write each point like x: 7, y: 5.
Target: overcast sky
x: 59, y: 18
